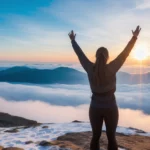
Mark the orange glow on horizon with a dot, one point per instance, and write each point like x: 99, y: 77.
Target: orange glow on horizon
x: 65, y: 57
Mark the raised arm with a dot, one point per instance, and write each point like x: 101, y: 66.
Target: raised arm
x: 81, y: 56
x: 116, y: 64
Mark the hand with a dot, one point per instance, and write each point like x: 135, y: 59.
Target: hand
x: 136, y: 32
x: 72, y: 35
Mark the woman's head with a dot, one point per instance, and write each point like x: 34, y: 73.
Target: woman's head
x: 102, y: 52
x: 99, y: 66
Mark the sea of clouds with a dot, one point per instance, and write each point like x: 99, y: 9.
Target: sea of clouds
x: 65, y: 103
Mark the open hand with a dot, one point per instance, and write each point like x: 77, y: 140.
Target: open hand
x: 137, y: 31
x: 72, y: 35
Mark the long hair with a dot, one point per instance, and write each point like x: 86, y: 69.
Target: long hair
x: 99, y: 76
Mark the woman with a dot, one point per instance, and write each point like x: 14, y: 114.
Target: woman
x: 102, y: 79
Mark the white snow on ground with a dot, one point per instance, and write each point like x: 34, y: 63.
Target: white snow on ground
x: 51, y: 133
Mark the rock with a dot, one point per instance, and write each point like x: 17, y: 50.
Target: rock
x: 12, y: 131
x: 7, y: 120
x: 32, y: 126
x: 13, y: 148
x: 137, y: 130
x: 45, y: 143
x: 66, y: 145
x: 36, y: 125
x: 61, y: 145
x: 77, y: 121
x: 45, y: 127
x: 29, y: 142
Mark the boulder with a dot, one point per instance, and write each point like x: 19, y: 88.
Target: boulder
x: 29, y: 142
x: 45, y: 127
x: 32, y: 126
x: 137, y: 130
x: 45, y: 143
x: 12, y: 131
x: 77, y: 121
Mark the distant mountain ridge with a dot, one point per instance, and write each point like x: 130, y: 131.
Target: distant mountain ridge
x: 62, y: 75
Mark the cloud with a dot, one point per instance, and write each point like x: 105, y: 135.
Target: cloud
x: 135, y: 97
x: 65, y: 103
x: 46, y: 113
x: 35, y: 35
x: 134, y: 118
x: 142, y: 4
x: 63, y: 95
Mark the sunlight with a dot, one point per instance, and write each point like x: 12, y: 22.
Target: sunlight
x: 140, y: 52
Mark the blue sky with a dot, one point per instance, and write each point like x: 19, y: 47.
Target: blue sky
x: 37, y: 30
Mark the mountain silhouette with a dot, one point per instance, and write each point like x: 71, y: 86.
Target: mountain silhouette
x: 62, y: 75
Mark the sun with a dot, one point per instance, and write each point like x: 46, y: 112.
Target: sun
x: 140, y: 52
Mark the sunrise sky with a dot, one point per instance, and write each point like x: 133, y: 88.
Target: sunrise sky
x: 37, y: 30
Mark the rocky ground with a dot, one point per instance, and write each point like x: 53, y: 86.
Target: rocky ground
x: 66, y: 136
x: 81, y: 141
x: 128, y: 142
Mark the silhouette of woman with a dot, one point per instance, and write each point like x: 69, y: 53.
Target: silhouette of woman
x: 102, y: 79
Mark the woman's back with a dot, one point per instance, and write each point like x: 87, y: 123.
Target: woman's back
x: 109, y: 83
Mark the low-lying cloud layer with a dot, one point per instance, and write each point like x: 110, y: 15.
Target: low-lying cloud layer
x: 65, y: 103
x: 135, y: 97
x: 47, y: 113
x: 62, y: 95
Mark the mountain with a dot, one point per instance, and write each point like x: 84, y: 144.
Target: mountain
x: 126, y: 78
x: 62, y: 75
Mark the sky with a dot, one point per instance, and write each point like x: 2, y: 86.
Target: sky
x: 37, y: 30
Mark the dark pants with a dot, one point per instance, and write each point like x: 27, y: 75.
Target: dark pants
x: 110, y: 117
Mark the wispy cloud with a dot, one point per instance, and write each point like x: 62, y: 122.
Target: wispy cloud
x: 107, y: 24
x: 97, y: 23
x: 142, y: 4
